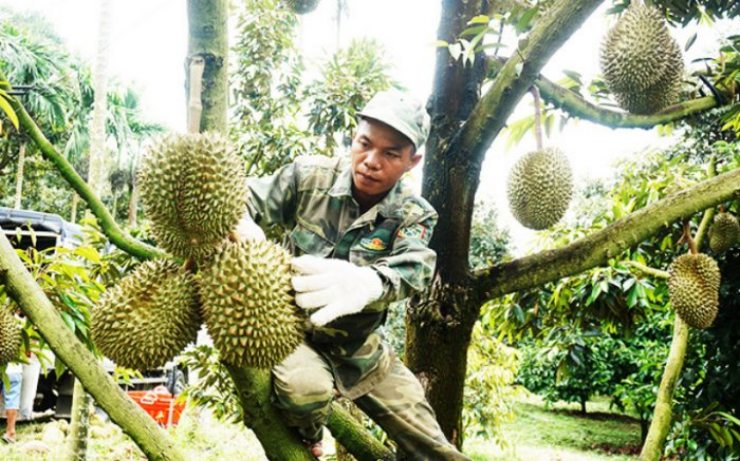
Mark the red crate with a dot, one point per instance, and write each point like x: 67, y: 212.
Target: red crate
x: 160, y: 404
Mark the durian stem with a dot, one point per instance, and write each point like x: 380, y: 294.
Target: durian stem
x: 537, y: 116
x: 22, y: 288
x: 688, y: 238
x: 657, y: 273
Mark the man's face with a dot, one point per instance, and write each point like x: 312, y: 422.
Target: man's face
x: 380, y: 156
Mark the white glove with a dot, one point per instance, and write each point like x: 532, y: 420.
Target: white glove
x: 248, y: 230
x: 334, y: 287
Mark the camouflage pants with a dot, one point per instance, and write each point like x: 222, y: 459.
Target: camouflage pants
x: 304, y: 388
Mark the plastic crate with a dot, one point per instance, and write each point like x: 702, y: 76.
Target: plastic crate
x: 162, y: 406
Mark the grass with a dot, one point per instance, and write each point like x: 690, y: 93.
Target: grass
x: 562, y: 433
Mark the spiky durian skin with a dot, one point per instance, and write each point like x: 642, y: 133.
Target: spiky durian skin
x: 725, y: 232
x: 642, y: 64
x: 10, y: 335
x: 540, y: 187
x: 149, y: 317
x: 302, y: 6
x: 694, y: 289
x: 248, y: 304
x: 194, y: 191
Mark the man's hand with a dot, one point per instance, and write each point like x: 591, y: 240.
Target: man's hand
x: 248, y: 230
x: 334, y: 287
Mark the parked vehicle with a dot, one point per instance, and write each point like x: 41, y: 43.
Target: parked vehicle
x: 42, y: 390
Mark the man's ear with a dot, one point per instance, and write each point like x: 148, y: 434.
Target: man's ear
x: 415, y: 159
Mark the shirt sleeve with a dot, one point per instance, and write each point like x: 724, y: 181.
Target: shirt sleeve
x: 409, y: 266
x: 272, y: 199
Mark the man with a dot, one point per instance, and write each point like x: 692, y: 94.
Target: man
x: 360, y: 236
x: 12, y: 399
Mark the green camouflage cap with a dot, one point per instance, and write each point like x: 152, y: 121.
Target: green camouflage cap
x: 400, y: 111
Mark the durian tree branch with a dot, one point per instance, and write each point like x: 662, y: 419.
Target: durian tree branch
x: 652, y: 449
x: 596, y: 249
x: 280, y: 443
x: 574, y: 104
x: 107, y: 223
x: 519, y: 72
x: 22, y: 288
x: 355, y: 438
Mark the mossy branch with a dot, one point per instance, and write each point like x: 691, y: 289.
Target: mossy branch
x: 652, y: 449
x: 262, y: 417
x: 22, y: 288
x: 596, y: 249
x: 574, y: 104
x: 518, y: 74
x: 107, y: 223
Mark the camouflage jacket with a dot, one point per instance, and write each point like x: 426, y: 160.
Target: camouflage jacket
x: 312, y: 198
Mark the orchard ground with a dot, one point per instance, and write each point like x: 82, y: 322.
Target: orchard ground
x: 536, y: 433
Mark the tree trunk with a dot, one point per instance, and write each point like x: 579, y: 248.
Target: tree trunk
x: 78, y: 430
x: 208, y: 40
x: 19, y: 176
x: 100, y: 104
x: 24, y: 290
x: 583, y: 405
x: 437, y: 351
x: 342, y: 453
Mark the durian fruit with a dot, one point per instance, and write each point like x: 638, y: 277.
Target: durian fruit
x: 10, y: 335
x: 148, y: 317
x: 193, y: 189
x: 725, y: 232
x: 302, y: 6
x: 642, y: 64
x: 248, y: 304
x: 693, y: 287
x: 540, y: 187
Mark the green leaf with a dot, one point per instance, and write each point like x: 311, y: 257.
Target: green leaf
x: 690, y: 42
x: 480, y: 19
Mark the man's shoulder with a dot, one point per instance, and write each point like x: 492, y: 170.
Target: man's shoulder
x: 411, y: 207
x: 317, y: 171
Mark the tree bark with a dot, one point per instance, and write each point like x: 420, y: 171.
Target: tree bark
x: 133, y: 203
x: 208, y: 40
x: 652, y: 450
x: 21, y: 286
x: 599, y: 247
x: 79, y: 428
x: 19, y: 176
x: 464, y: 125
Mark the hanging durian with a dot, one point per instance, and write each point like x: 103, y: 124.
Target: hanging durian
x: 193, y: 190
x: 148, y: 317
x: 693, y: 287
x: 247, y: 299
x: 540, y: 184
x: 10, y: 335
x: 725, y: 232
x: 642, y: 64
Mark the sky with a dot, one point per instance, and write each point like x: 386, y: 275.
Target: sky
x: 149, y: 43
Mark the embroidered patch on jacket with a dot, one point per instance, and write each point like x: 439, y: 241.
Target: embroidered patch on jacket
x: 415, y: 231
x: 374, y: 244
